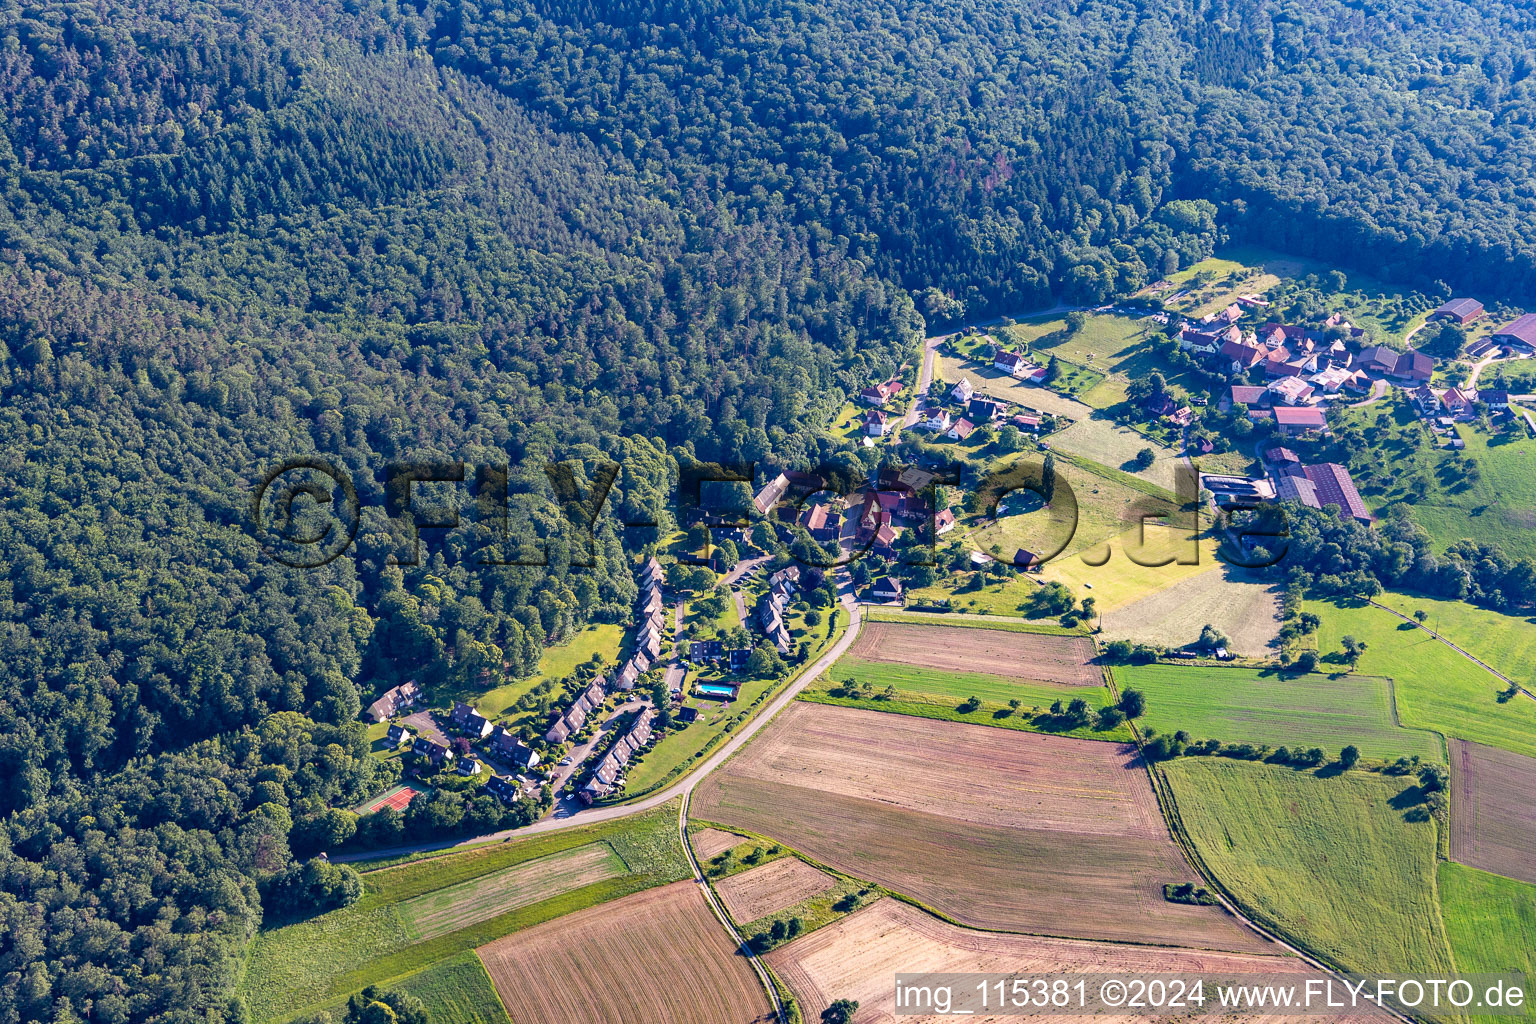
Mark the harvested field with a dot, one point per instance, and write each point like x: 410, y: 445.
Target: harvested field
x: 458, y: 906
x: 1493, y: 817
x: 709, y: 842
x: 1240, y: 605
x: 1103, y: 440
x: 770, y: 888
x: 855, y: 958
x: 654, y: 956
x: 1050, y: 659
x: 999, y: 829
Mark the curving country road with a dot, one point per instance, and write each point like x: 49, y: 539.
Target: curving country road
x: 682, y: 787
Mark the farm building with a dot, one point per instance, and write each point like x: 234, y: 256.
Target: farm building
x: 1299, y: 419
x: 1461, y: 311
x: 1519, y: 331
x: 1320, y: 485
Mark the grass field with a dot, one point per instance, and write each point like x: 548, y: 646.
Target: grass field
x: 1103, y: 440
x: 1243, y: 605
x: 1436, y: 687
x: 1507, y: 642
x: 318, y: 961
x: 1067, y: 660
x: 457, y: 990
x: 458, y: 906
x: 1491, y: 923
x: 1044, y: 627
x: 557, y: 662
x: 1012, y: 831
x: 1117, y: 580
x: 1245, y: 705
x: 653, y: 956
x: 1326, y: 860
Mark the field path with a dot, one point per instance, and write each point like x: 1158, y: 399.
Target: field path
x: 723, y: 917
x: 1464, y: 653
x: 684, y: 786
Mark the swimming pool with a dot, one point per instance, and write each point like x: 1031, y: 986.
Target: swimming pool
x: 711, y: 690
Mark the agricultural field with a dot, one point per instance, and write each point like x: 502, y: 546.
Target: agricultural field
x: 1001, y: 830
x: 653, y: 956
x: 1307, y: 852
x: 1505, y: 642
x: 962, y: 620
x: 458, y: 906
x: 855, y: 958
x: 770, y: 888
x: 1116, y: 581
x: 1436, y: 687
x: 398, y: 928
x: 1490, y: 921
x: 1264, y: 706
x: 457, y: 990
x: 1049, y: 659
x: 1240, y: 603
x: 1493, y: 813
x: 931, y: 693
x: 709, y: 843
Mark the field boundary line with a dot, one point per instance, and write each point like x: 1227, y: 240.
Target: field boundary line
x: 1461, y: 651
x: 715, y: 907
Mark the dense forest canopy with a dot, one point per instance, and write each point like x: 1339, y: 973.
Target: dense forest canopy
x: 642, y: 233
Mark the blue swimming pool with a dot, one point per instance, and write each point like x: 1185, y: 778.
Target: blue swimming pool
x: 711, y: 690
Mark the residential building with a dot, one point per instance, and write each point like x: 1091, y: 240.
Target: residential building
x: 1494, y: 398
x: 943, y: 522
x: 1292, y: 390
x: 962, y: 391
x: 506, y: 745
x: 399, y: 736
x: 938, y: 421
x: 504, y: 788
x: 879, y: 394
x: 876, y: 423
x: 469, y: 721
x: 395, y: 700
x: 469, y: 766
x: 960, y: 430
x: 886, y: 588
x: 1293, y: 420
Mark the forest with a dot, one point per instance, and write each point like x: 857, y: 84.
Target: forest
x: 643, y: 233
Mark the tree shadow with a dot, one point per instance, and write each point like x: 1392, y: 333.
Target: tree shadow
x: 1413, y: 796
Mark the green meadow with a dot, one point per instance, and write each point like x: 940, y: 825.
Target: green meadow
x: 1491, y: 922
x: 1323, y: 858
x: 1436, y: 687
x: 1265, y: 706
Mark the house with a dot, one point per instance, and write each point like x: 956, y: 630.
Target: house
x: 1330, y: 380
x: 943, y: 522
x: 886, y: 588
x: 627, y: 677
x: 736, y: 658
x: 508, y: 747
x: 1494, y: 398
x: 395, y: 700
x: 1204, y: 343
x: 879, y: 394
x: 469, y: 766
x: 982, y: 409
x: 1244, y: 395
x: 1281, y: 456
x: 1011, y: 363
x: 504, y: 788
x: 876, y: 423
x: 769, y: 496
x: 1026, y: 560
x: 435, y: 752
x: 399, y: 736
x: 1457, y: 402
x: 1461, y: 311
x: 650, y: 574
x: 1159, y: 405
x: 1183, y: 416
x: 469, y: 721
x: 1323, y: 484
x: 1292, y: 390
x: 558, y: 733
x: 938, y: 421
x: 1240, y: 357
x: 704, y: 650
x: 1203, y: 446
x: 961, y: 429
x: 1026, y: 421
x: 1299, y: 419
x: 1519, y: 331
x: 963, y: 391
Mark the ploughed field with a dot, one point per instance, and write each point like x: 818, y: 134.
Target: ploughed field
x: 658, y: 955
x: 1053, y: 659
x: 857, y: 957
x: 1493, y: 810
x: 771, y: 888
x: 998, y: 829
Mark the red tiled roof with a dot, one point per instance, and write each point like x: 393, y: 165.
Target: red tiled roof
x: 1299, y: 416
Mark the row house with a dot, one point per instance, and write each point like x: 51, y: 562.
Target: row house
x: 469, y: 721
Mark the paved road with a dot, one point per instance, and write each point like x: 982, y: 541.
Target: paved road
x: 565, y: 806
x: 741, y: 569
x: 685, y: 785
x: 924, y: 379
x: 1378, y: 391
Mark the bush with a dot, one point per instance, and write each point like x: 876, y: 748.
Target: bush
x: 1132, y: 703
x: 1306, y: 661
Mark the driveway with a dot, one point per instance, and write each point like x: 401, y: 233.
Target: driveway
x: 1378, y: 391
x: 563, y: 818
x: 579, y: 755
x: 741, y: 569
